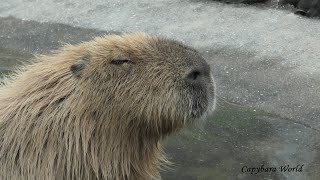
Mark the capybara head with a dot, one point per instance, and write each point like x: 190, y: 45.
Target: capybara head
x: 99, y: 109
x: 151, y: 84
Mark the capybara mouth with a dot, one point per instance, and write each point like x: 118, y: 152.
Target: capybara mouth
x: 202, y: 101
x: 202, y: 107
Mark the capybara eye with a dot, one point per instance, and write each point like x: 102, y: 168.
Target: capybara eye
x: 120, y: 61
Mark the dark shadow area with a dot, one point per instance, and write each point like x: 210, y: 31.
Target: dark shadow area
x: 34, y: 37
x: 307, y: 8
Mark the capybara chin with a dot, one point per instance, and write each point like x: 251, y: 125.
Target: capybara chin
x: 99, y: 110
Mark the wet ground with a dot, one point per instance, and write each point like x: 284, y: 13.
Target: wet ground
x: 245, y: 132
x: 236, y: 139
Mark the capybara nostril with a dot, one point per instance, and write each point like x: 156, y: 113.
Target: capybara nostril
x: 193, y: 75
x: 198, y: 74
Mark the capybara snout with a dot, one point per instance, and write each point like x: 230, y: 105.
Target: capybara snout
x: 201, y: 88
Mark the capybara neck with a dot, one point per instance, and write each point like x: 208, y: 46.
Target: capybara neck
x: 99, y: 110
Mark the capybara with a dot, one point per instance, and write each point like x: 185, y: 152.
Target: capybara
x: 308, y: 8
x: 100, y: 109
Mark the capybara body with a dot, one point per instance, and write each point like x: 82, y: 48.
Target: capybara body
x: 99, y: 109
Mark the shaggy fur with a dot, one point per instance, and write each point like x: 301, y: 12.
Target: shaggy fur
x: 98, y: 110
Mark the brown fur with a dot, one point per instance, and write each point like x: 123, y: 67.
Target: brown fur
x: 76, y: 114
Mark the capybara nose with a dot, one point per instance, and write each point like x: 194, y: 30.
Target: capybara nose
x: 193, y: 75
x: 198, y: 74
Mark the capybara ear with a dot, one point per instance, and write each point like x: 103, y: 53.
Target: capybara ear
x: 78, y: 66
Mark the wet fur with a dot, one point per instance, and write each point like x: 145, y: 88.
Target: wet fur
x: 74, y: 115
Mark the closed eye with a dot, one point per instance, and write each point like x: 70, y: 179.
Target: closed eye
x: 120, y: 61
